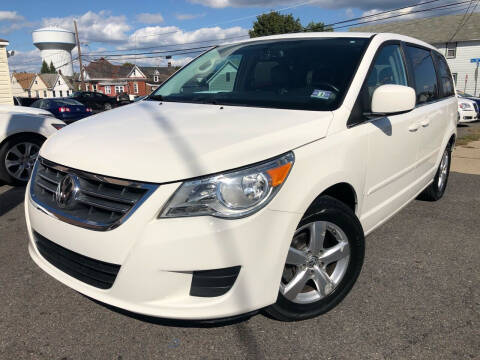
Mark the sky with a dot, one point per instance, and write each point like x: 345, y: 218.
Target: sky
x: 126, y: 27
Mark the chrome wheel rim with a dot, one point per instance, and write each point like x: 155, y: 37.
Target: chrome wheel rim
x: 20, y: 160
x: 443, y: 171
x: 316, y: 263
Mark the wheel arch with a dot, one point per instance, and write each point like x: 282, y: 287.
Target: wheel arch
x: 22, y: 133
x: 342, y: 191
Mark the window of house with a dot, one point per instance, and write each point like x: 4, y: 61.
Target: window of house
x: 451, y: 50
x: 387, y: 69
x: 446, y: 82
x: 135, y: 88
x: 29, y: 94
x: 108, y: 89
x: 36, y: 94
x: 119, y: 89
x: 94, y: 87
x: 455, y: 75
x: 36, y: 82
x: 44, y: 93
x: 155, y: 78
x: 53, y: 93
x: 59, y: 82
x: 61, y: 93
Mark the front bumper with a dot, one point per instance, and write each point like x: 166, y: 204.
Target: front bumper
x: 158, y: 257
x: 468, y: 116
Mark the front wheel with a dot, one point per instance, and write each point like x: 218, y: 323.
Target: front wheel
x: 323, y: 262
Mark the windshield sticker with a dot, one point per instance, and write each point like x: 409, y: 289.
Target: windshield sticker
x: 321, y: 94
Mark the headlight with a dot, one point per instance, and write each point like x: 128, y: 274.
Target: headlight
x: 230, y: 195
x: 464, y: 106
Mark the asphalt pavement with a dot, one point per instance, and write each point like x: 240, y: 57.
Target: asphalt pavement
x: 418, y: 297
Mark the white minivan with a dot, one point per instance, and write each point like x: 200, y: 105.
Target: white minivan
x: 248, y: 180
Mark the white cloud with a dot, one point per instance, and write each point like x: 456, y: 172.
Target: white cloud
x: 10, y: 16
x: 349, y: 13
x: 189, y: 16
x: 29, y: 61
x: 94, y: 27
x: 148, y: 18
x: 167, y: 35
x: 11, y: 21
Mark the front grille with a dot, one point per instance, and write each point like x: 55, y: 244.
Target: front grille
x: 93, y: 272
x: 99, y: 202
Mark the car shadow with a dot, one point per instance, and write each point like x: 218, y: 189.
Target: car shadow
x: 11, y: 198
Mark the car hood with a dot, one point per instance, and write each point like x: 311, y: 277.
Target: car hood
x: 162, y: 142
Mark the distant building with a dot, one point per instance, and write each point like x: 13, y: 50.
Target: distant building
x: 109, y: 79
x: 459, y: 43
x: 21, y: 83
x: 57, y: 85
x: 5, y: 87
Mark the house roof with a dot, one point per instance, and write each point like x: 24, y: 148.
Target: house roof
x: 24, y: 79
x: 434, y: 30
x: 49, y: 80
x: 163, y: 72
x: 103, y: 69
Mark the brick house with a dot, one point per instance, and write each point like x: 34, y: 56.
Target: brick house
x: 102, y: 76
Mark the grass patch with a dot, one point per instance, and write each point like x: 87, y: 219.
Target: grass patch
x: 473, y: 135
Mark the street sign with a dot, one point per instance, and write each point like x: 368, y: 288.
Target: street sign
x: 475, y: 60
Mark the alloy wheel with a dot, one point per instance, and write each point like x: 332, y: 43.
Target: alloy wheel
x: 443, y: 170
x: 317, y: 261
x: 20, y: 159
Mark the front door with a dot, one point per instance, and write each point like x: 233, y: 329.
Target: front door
x: 393, y: 144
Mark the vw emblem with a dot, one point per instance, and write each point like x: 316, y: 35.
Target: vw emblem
x: 67, y: 191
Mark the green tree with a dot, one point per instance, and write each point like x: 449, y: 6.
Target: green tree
x: 127, y: 64
x: 275, y: 23
x: 317, y: 27
x: 52, y: 69
x: 45, y: 69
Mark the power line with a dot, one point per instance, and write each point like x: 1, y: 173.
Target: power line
x: 464, y: 20
x: 399, y: 15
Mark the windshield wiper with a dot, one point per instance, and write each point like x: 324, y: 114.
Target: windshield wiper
x: 155, y: 97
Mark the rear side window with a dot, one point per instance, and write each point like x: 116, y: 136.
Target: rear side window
x: 388, y: 68
x: 426, y: 86
x: 446, y: 81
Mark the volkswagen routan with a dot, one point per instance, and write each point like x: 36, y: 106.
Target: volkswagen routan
x: 248, y: 180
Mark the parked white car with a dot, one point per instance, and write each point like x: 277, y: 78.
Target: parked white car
x: 468, y: 110
x: 24, y: 110
x: 249, y: 179
x: 22, y: 133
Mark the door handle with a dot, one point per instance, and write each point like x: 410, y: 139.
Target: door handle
x: 413, y: 127
x: 425, y: 123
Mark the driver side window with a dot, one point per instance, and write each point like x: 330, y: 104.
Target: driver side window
x: 388, y: 68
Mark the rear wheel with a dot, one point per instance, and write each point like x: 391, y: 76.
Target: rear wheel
x: 323, y: 262
x: 437, y: 188
x: 107, y: 106
x: 17, y: 157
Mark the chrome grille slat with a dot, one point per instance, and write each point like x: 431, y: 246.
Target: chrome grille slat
x: 97, y: 203
x: 100, y: 203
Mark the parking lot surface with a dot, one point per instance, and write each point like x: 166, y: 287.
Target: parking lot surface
x: 418, y: 297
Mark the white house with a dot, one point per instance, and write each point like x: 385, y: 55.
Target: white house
x: 5, y: 87
x: 455, y: 36
x: 57, y: 85
x: 21, y: 83
x: 38, y: 88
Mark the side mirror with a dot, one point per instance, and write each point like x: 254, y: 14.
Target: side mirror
x: 392, y: 99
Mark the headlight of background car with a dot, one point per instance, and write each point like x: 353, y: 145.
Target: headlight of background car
x: 464, y: 106
x: 230, y: 195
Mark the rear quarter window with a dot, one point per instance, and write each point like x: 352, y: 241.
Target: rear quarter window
x: 444, y: 75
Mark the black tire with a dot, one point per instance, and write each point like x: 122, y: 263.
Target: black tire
x: 437, y: 188
x: 330, y: 210
x: 4, y: 150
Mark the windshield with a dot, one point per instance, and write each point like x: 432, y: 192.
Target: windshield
x: 307, y: 74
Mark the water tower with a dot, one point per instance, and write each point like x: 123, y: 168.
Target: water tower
x: 55, y: 46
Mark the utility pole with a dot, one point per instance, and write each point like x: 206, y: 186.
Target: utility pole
x: 82, y: 83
